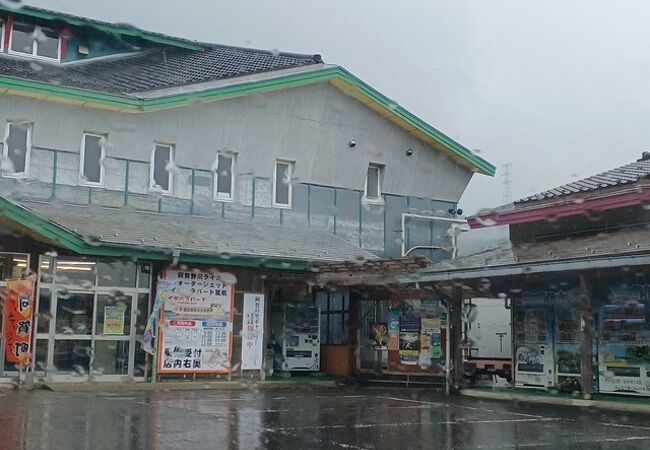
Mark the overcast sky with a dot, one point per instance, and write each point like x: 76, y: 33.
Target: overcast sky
x: 557, y: 88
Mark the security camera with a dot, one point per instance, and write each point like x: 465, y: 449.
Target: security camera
x: 352, y: 143
x: 409, y: 152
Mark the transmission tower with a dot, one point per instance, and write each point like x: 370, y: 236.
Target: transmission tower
x: 507, y: 182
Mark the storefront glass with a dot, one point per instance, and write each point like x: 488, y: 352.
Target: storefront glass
x: 90, y: 314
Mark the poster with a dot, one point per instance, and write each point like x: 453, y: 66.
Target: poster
x: 409, y: 339
x: 114, y: 320
x: 18, y: 323
x: 393, y: 329
x: 379, y: 335
x: 253, y: 332
x: 196, y: 323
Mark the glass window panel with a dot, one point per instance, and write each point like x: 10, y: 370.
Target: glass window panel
x: 224, y: 175
x: 45, y: 269
x: 17, y: 149
x: 346, y: 303
x: 75, y: 271
x: 144, y: 275
x: 44, y: 314
x: 335, y: 329
x: 346, y: 328
x: 113, y: 314
x: 21, y: 38
x: 47, y: 44
x: 282, y: 183
x: 336, y: 301
x: 116, y: 273
x: 92, y: 164
x: 372, y: 187
x: 321, y: 301
x: 111, y: 358
x: 161, y: 173
x: 323, y: 329
x: 140, y: 361
x: 74, y: 313
x: 72, y: 356
x: 12, y: 265
x: 142, y: 313
x: 41, y: 354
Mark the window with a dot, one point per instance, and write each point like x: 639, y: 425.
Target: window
x: 373, y: 183
x: 224, y: 179
x: 34, y: 41
x: 16, y: 149
x: 160, y: 172
x: 282, y: 184
x: 334, y: 317
x: 91, y: 163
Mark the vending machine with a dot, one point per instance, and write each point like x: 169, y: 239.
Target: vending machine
x: 534, y: 365
x: 296, y: 330
x: 624, y: 349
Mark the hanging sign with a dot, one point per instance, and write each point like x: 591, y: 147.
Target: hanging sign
x: 252, y: 332
x: 18, y: 325
x: 196, y: 323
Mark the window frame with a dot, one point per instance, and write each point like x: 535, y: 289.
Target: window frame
x: 379, y: 200
x: 170, y: 175
x: 344, y: 313
x: 219, y: 196
x: 292, y: 167
x: 34, y: 54
x: 28, y: 148
x: 82, y: 159
x: 3, y: 24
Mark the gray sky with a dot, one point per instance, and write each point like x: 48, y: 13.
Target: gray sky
x: 560, y: 89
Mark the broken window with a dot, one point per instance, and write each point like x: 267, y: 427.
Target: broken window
x: 282, y: 183
x: 224, y: 180
x: 16, y: 149
x: 162, y: 159
x: 91, y: 162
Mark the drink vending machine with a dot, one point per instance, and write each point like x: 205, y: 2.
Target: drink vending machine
x: 296, y: 331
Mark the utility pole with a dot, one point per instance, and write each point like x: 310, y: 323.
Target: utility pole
x: 507, y: 182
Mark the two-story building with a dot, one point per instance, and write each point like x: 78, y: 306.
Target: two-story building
x: 130, y: 156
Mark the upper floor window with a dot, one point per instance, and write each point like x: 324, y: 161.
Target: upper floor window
x: 373, y: 183
x: 224, y: 176
x: 162, y: 162
x: 282, y: 187
x: 16, y: 149
x: 91, y: 162
x: 34, y: 41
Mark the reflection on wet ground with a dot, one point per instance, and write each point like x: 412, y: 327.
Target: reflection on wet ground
x: 365, y: 418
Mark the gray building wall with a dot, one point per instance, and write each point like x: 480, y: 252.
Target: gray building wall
x: 311, y: 125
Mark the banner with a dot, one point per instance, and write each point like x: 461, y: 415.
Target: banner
x: 164, y: 288
x: 18, y: 322
x: 253, y: 332
x: 196, y: 324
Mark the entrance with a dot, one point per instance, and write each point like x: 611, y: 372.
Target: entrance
x: 88, y: 316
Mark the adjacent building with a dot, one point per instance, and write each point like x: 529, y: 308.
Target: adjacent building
x: 135, y: 163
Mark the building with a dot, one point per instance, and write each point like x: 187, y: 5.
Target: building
x: 131, y: 156
x: 575, y: 274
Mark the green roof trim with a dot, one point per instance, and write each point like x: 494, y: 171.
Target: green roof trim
x: 105, y: 27
x: 61, y: 237
x: 132, y: 104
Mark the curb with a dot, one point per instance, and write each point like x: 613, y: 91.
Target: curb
x: 600, y: 404
x: 187, y: 386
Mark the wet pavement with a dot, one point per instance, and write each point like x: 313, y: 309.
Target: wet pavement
x: 364, y: 418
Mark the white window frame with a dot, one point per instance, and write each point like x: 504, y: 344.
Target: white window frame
x: 2, y: 34
x: 170, y: 174
x: 34, y: 45
x: 28, y: 149
x: 292, y: 168
x: 379, y: 200
x: 220, y: 196
x: 82, y: 158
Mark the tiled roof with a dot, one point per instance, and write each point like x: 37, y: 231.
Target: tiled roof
x: 627, y: 174
x: 195, y: 234
x: 159, y: 68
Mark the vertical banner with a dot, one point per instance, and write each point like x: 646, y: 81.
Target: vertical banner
x: 253, y: 332
x: 196, y: 324
x: 19, y: 310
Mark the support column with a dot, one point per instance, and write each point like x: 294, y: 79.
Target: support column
x: 586, y: 338
x: 456, y: 326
